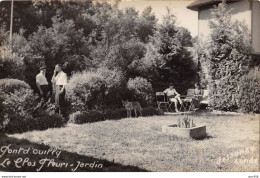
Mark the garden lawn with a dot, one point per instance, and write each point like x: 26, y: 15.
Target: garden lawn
x: 140, y: 142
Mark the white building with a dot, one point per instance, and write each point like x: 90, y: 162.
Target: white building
x: 247, y: 11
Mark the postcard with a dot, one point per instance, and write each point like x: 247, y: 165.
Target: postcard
x: 129, y: 86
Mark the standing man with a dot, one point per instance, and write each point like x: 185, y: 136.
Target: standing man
x: 173, y: 96
x: 42, y: 83
x: 59, y: 80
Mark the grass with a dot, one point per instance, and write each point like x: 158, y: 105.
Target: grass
x: 139, y: 142
x: 64, y: 157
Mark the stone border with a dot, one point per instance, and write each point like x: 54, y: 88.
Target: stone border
x: 195, y: 132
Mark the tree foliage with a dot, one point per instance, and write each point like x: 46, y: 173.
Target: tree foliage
x: 229, y: 58
x: 167, y: 59
x: 102, y: 46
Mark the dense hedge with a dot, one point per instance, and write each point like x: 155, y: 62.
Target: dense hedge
x: 115, y: 114
x: 249, y: 92
x: 20, y: 110
x: 227, y: 64
x: 42, y: 122
x: 94, y: 90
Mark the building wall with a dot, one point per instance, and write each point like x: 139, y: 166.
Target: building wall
x: 241, y: 11
x: 256, y: 27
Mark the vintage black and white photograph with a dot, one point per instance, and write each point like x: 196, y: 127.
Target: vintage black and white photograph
x: 129, y: 86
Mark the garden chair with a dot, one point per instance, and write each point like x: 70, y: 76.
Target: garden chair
x: 162, y: 100
x: 172, y: 105
x: 187, y: 100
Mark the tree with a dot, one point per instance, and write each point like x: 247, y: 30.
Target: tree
x: 114, y: 42
x: 229, y: 57
x: 59, y: 43
x: 22, y: 12
x: 184, y: 36
x: 147, y: 25
x: 40, y: 13
x: 166, y: 59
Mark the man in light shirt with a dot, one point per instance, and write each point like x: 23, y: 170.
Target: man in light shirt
x: 173, y: 96
x: 59, y: 80
x: 42, y: 83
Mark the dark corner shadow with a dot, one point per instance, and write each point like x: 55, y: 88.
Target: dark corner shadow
x: 64, y: 157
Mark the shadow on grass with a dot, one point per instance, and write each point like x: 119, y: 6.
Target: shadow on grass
x: 30, y: 162
x: 209, y: 113
x: 206, y: 137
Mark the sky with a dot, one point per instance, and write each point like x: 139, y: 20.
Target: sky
x: 185, y: 17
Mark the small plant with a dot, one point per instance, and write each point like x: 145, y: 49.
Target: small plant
x: 186, y: 122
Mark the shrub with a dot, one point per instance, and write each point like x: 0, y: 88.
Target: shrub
x: 12, y: 64
x: 115, y: 88
x: 89, y: 116
x: 141, y: 88
x: 20, y: 111
x: 84, y: 90
x: 110, y: 114
x: 21, y: 101
x: 43, y: 121
x: 18, y: 108
x: 74, y: 116
x: 151, y: 111
x: 3, y: 34
x: 249, y: 92
x: 10, y: 85
x: 94, y: 90
x: 113, y: 78
x: 229, y: 57
x: 114, y: 114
